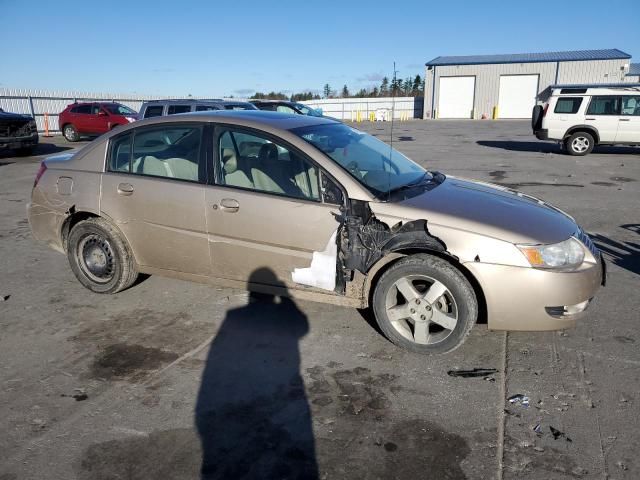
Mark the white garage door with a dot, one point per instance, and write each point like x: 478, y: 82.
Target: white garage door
x: 517, y: 95
x: 455, y: 97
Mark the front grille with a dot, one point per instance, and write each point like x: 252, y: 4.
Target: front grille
x: 16, y: 128
x: 584, y: 238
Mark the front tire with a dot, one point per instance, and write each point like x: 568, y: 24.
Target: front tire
x: 424, y: 304
x: 579, y: 144
x: 100, y: 257
x: 70, y: 133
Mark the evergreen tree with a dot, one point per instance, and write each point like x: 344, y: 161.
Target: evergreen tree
x: 345, y: 92
x: 384, y: 87
x: 418, y: 86
x: 407, y: 87
x: 327, y: 90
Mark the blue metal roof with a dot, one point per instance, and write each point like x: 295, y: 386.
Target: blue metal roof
x: 609, y: 54
x: 634, y: 69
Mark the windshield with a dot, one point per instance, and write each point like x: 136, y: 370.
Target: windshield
x: 118, y: 109
x: 371, y: 162
x: 308, y: 110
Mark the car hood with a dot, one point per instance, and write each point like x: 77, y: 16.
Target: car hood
x: 14, y: 116
x: 488, y: 210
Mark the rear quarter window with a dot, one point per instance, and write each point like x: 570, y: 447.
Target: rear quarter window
x: 568, y: 105
x: 153, y: 111
x: 173, y: 109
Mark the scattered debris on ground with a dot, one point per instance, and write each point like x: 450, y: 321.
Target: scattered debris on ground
x: 519, y: 398
x: 473, y: 373
x: 4, y: 298
x: 78, y: 394
x: 558, y: 434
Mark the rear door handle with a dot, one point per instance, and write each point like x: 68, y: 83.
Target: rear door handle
x: 589, y: 118
x: 229, y: 205
x: 625, y: 119
x: 125, y: 189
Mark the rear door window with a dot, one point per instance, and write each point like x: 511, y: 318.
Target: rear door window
x: 604, y: 105
x: 206, y: 108
x: 173, y: 109
x: 85, y: 109
x: 568, y: 105
x: 285, y: 109
x: 153, y: 111
x: 170, y: 151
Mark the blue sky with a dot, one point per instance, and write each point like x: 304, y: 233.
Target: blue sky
x: 218, y: 48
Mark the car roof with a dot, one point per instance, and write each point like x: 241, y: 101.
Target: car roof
x: 189, y: 100
x: 90, y: 102
x: 595, y: 89
x: 249, y: 118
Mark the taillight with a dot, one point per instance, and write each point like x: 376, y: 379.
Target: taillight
x: 544, y: 110
x: 41, y: 170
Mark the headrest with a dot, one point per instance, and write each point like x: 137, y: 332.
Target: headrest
x: 229, y: 160
x: 268, y: 152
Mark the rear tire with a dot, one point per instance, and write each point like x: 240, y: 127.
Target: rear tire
x: 70, y: 133
x: 579, y: 144
x: 424, y: 304
x: 100, y: 258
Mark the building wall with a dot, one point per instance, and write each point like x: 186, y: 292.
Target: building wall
x: 488, y: 79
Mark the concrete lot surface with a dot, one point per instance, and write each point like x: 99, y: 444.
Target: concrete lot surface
x: 113, y: 387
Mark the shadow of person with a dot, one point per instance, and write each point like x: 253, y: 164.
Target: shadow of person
x: 252, y: 413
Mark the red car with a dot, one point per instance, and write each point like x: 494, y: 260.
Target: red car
x: 93, y: 118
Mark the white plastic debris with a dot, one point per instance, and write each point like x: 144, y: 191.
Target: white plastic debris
x: 322, y: 272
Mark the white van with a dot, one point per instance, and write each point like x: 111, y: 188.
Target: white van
x: 583, y: 117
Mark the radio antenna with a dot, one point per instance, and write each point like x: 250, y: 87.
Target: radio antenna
x: 393, y: 109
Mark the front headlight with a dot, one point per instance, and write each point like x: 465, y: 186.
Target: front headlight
x: 567, y: 254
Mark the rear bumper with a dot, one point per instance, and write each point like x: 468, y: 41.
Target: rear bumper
x: 529, y: 299
x: 542, y: 134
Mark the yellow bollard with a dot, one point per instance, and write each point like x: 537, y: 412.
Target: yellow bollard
x: 372, y: 117
x: 495, y: 113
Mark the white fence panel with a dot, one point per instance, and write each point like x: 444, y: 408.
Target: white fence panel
x: 38, y: 102
x: 348, y: 108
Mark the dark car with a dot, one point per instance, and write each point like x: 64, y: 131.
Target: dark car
x: 160, y: 108
x: 286, y: 107
x: 93, y: 118
x: 18, y: 132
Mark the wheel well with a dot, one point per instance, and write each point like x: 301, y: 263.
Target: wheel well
x: 477, y: 289
x: 71, y: 222
x: 590, y: 130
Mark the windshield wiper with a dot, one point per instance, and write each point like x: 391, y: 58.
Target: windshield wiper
x: 407, y: 186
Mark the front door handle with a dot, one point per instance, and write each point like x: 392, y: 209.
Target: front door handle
x: 125, y: 189
x: 229, y: 205
x: 589, y: 118
x: 625, y: 119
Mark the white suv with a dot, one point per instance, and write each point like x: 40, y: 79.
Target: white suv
x: 583, y: 117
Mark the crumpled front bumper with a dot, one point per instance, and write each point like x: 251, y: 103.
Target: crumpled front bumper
x: 529, y: 299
